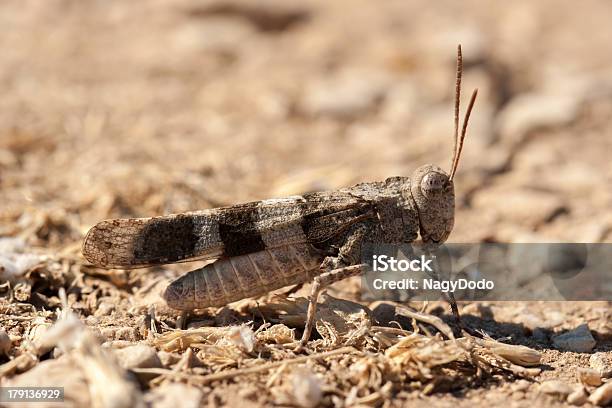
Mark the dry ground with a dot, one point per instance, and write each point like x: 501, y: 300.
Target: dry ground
x: 119, y: 109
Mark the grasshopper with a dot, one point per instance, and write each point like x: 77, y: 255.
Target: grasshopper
x: 265, y: 245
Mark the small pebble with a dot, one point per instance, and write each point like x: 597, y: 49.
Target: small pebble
x: 243, y: 338
x: 168, y: 359
x: 521, y: 385
x: 578, y: 397
x: 138, y: 356
x: 579, y: 340
x: 555, y: 387
x: 602, y: 362
x: 307, y: 388
x: 602, y: 396
x: 36, y: 335
x: 589, y: 376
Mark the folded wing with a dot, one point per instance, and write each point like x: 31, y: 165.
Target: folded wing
x: 222, y: 232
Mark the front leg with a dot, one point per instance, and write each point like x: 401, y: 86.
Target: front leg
x: 450, y: 298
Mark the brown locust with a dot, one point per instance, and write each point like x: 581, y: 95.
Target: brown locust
x: 265, y: 245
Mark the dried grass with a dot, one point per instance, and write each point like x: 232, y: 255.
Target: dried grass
x: 369, y: 362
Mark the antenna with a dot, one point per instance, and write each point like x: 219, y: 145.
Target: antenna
x: 459, y: 140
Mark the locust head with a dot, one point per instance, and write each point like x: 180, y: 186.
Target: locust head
x: 432, y: 189
x: 434, y: 196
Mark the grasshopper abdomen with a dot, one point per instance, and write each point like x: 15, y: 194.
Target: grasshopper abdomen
x: 230, y: 279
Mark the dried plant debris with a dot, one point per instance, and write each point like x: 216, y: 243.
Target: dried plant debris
x: 226, y: 102
x: 367, y: 363
x: 338, y: 322
x: 96, y: 379
x: 352, y: 359
x: 398, y: 355
x: 385, y: 357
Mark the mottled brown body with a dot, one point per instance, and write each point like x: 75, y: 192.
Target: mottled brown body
x: 266, y: 245
x: 260, y: 246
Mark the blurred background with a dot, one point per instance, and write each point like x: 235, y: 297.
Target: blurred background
x: 114, y: 108
x: 117, y: 109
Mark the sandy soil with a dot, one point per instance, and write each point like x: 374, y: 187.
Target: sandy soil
x: 133, y: 109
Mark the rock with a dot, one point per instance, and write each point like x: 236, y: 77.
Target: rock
x: 578, y: 397
x: 555, y: 387
x: 307, y: 388
x: 168, y: 359
x: 540, y: 336
x: 173, y: 395
x: 36, y: 334
x: 579, y: 340
x: 520, y: 385
x: 138, y: 356
x: 602, y: 396
x: 589, y: 376
x: 12, y: 245
x: 5, y: 343
x: 242, y: 337
x: 602, y: 362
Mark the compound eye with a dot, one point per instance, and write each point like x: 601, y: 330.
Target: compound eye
x: 433, y: 182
